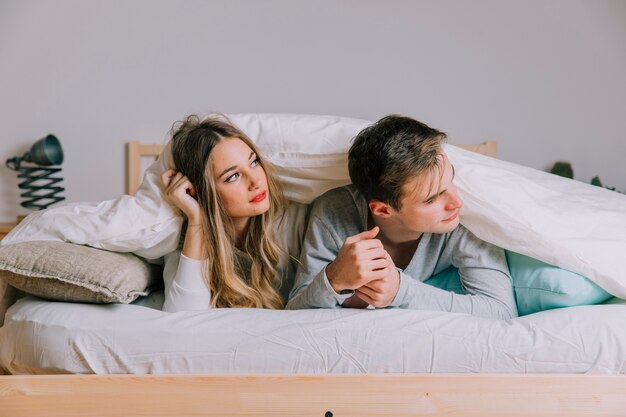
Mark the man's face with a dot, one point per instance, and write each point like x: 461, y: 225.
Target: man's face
x: 430, y: 202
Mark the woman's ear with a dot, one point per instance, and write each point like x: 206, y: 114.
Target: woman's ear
x: 378, y: 208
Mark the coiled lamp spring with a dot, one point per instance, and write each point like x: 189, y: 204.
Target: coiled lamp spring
x: 40, y: 184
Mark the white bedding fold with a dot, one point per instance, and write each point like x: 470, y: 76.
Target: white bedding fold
x: 52, y: 337
x: 563, y: 222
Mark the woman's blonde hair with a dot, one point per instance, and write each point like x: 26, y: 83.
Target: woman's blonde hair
x: 193, y: 141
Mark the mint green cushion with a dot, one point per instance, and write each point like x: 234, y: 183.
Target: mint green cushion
x: 538, y: 286
x: 448, y: 280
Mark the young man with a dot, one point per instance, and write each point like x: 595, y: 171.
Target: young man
x: 374, y: 242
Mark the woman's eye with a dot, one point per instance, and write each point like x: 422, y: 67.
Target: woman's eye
x: 232, y: 177
x: 255, y: 162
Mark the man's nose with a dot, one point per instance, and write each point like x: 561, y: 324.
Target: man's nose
x: 455, y: 201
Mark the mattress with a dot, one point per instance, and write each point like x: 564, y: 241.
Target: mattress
x: 41, y: 337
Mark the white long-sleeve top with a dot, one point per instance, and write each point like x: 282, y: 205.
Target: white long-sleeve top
x: 185, y: 289
x: 184, y: 286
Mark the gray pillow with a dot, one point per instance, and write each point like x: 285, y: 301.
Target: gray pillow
x: 67, y: 272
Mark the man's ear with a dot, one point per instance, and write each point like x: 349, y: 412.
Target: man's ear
x: 378, y: 208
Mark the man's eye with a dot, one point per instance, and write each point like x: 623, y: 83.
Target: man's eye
x: 232, y: 177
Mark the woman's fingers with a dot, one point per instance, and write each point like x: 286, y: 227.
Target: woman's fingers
x: 180, y: 193
x: 177, y: 181
x: 167, y: 176
x: 177, y: 185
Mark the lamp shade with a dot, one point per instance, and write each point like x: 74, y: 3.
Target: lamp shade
x: 46, y: 151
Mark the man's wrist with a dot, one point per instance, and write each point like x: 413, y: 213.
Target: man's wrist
x: 330, y: 275
x: 400, y: 292
x: 340, y: 295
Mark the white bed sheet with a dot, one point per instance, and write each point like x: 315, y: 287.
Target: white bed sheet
x: 52, y: 337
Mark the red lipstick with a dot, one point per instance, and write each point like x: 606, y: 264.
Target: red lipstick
x: 259, y: 197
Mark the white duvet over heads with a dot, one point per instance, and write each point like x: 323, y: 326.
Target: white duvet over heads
x: 567, y: 223
x: 563, y: 222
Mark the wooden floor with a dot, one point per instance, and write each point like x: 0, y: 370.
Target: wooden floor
x: 319, y: 396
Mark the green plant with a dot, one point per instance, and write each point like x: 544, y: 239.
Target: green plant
x: 564, y: 169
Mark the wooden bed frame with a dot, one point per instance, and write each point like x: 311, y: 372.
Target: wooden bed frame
x: 309, y: 395
x: 320, y: 396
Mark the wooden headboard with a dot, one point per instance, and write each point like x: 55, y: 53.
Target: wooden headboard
x: 137, y: 150
x: 488, y: 148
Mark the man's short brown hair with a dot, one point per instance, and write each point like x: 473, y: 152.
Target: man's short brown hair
x: 389, y: 153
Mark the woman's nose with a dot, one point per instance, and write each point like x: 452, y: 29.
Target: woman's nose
x: 255, y: 181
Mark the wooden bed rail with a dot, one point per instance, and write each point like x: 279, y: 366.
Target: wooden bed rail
x: 394, y: 395
x: 488, y: 148
x: 135, y: 151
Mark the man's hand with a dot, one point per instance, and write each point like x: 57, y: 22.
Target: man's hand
x: 361, y: 259
x: 381, y: 292
x: 354, y: 302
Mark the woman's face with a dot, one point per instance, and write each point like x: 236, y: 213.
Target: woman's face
x: 240, y: 180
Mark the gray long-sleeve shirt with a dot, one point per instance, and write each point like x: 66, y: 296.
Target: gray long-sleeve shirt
x: 343, y: 212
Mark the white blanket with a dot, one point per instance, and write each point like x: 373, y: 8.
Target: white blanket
x: 567, y: 223
x: 563, y: 222
x: 53, y: 337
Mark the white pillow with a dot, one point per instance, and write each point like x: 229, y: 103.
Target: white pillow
x: 144, y: 224
x: 309, y: 152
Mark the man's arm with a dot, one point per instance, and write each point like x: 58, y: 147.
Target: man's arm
x: 484, y: 275
x: 337, y: 255
x: 312, y: 288
x: 327, y: 276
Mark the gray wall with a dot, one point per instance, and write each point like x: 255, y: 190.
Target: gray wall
x: 545, y: 78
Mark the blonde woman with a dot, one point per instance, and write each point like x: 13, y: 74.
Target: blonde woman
x: 231, y: 255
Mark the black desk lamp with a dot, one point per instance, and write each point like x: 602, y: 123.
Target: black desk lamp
x: 38, y: 181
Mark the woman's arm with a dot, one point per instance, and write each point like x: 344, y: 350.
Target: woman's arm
x: 185, y: 288
x: 180, y: 193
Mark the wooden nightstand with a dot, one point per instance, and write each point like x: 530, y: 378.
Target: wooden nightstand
x: 7, y: 227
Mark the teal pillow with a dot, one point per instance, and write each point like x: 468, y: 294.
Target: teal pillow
x: 538, y: 286
x: 448, y: 280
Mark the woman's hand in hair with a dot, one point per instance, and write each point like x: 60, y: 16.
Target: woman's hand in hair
x: 181, y: 193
